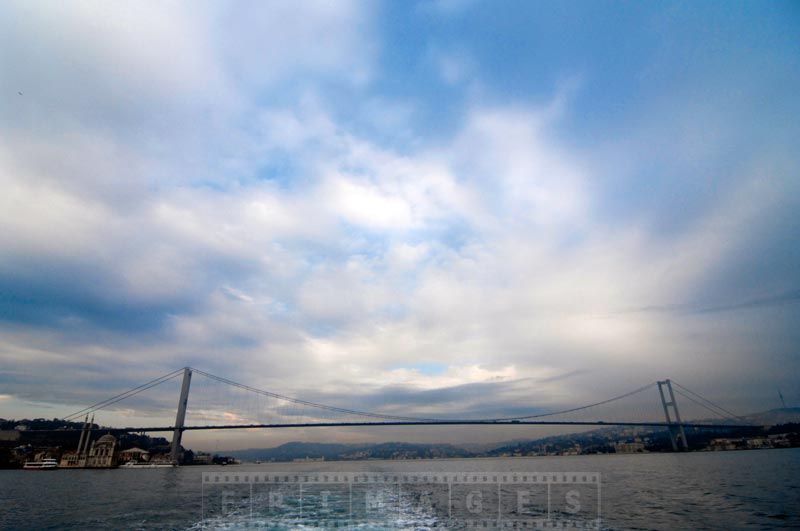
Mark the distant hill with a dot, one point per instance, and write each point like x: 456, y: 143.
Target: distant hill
x: 772, y: 417
x: 482, y: 448
x: 600, y: 440
x: 341, y: 452
x: 296, y: 450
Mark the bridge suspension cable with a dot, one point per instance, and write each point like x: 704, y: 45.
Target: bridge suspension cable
x: 416, y: 419
x: 580, y: 408
x: 685, y: 392
x: 706, y: 403
x: 312, y: 404
x: 127, y: 394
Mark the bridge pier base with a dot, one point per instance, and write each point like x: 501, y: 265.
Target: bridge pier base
x: 181, y: 415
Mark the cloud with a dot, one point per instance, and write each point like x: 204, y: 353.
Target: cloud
x: 186, y: 187
x: 328, y: 277
x: 453, y: 67
x: 266, y: 43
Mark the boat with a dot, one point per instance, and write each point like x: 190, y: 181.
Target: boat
x: 44, y: 464
x: 147, y: 464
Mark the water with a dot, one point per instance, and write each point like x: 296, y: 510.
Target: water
x: 724, y: 490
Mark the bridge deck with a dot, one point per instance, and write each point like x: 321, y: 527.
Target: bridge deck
x: 420, y: 423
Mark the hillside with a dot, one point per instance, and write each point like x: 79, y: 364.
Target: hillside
x: 600, y: 440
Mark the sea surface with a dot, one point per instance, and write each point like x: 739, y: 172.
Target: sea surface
x: 757, y: 489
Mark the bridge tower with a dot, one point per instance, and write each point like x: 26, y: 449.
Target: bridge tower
x: 676, y: 431
x: 181, y: 416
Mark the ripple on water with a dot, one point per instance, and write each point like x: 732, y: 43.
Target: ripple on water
x: 742, y: 490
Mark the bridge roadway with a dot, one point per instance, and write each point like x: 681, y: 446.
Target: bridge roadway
x: 417, y: 423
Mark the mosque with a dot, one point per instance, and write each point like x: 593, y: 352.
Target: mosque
x: 102, y: 453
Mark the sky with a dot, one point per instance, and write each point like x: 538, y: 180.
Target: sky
x: 445, y: 207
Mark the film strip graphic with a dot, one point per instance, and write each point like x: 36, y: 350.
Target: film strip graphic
x: 459, y: 500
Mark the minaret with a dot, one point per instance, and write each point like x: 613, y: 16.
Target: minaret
x: 83, y: 433
x: 88, y: 436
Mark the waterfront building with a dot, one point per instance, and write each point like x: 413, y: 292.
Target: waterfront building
x: 634, y: 447
x: 77, y: 459
x: 72, y: 460
x: 103, y: 452
x: 133, y: 454
x: 202, y: 458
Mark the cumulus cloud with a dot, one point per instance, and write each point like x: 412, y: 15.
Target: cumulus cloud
x: 179, y: 190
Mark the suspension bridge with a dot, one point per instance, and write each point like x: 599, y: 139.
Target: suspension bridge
x: 270, y: 410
